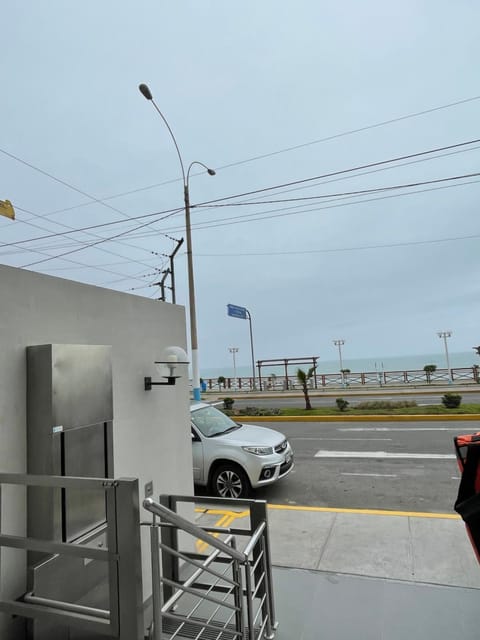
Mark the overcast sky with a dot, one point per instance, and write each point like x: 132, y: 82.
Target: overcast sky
x: 236, y: 80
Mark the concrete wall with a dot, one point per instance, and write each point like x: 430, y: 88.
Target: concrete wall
x: 151, y: 429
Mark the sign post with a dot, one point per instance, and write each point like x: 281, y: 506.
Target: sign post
x: 244, y: 314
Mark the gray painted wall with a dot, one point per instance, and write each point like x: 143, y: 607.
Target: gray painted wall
x: 151, y: 429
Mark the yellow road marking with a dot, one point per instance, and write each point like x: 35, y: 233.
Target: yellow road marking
x: 226, y: 519
x: 371, y: 512
x: 227, y: 516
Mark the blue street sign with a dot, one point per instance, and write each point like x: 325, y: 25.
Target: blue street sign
x: 236, y: 312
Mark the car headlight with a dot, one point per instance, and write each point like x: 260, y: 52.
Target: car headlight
x: 259, y: 451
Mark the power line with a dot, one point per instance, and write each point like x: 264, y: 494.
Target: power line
x: 338, y: 250
x: 42, y: 251
x: 78, y: 241
x: 347, y: 193
x: 342, y: 134
x: 89, y: 246
x: 352, y: 131
x: 68, y: 186
x: 261, y: 199
x: 94, y: 226
x: 267, y: 215
x: 341, y: 172
x: 246, y: 160
x: 170, y: 212
x: 300, y: 209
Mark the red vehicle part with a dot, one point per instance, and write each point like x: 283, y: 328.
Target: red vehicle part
x: 468, y: 499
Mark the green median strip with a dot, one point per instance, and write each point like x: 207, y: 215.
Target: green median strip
x: 349, y: 417
x: 365, y: 411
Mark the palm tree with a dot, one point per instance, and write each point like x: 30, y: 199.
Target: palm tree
x: 429, y: 369
x: 303, y: 378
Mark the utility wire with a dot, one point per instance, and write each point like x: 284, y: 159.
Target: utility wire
x: 42, y: 251
x: 276, y: 213
x: 260, y: 216
x: 89, y: 246
x: 342, y: 134
x: 169, y: 212
x: 68, y: 186
x: 338, y: 250
x: 408, y: 163
x: 78, y: 241
x: 265, y: 217
x: 347, y: 193
x: 341, y: 172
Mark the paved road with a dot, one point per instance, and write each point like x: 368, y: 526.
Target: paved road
x: 323, y: 401
x: 362, y: 465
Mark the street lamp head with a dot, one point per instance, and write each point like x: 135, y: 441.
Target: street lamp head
x: 211, y: 172
x: 145, y: 91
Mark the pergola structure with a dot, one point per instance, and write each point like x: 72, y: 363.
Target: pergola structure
x: 286, y: 363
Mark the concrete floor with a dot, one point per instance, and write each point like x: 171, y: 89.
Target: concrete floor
x: 317, y: 605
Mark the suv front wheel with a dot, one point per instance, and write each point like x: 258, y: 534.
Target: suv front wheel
x: 230, y: 481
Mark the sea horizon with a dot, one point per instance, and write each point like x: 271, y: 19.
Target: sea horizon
x: 412, y: 362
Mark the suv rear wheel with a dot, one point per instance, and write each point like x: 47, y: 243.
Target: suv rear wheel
x: 230, y: 481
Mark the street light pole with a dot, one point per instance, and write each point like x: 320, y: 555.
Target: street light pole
x: 445, y: 335
x: 339, y: 344
x: 234, y: 351
x: 145, y: 91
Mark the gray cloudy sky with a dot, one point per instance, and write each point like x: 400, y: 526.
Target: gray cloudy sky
x: 237, y: 80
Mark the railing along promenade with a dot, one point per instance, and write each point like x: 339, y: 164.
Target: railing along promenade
x: 411, y: 377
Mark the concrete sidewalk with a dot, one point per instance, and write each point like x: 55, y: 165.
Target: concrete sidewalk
x: 342, y: 573
x: 418, y: 547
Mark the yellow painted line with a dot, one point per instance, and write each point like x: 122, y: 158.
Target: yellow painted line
x: 375, y: 418
x: 227, y: 517
x: 371, y: 512
x: 222, y: 522
x: 217, y: 512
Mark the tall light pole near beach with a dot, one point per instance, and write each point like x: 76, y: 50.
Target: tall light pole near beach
x: 234, y: 351
x: 445, y: 335
x: 339, y: 344
x: 145, y: 91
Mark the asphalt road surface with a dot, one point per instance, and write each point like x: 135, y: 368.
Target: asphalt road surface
x: 407, y: 466
x: 329, y: 401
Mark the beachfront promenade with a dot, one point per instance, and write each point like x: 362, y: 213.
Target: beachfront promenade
x: 353, y: 380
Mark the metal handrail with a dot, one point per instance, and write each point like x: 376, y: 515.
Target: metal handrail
x: 182, y: 523
x: 122, y: 556
x: 254, y: 539
x: 251, y: 586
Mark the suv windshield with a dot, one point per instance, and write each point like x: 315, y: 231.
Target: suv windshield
x: 212, y: 422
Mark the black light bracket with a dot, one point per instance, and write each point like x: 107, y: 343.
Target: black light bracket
x: 169, y: 380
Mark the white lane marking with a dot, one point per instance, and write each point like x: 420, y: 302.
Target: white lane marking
x: 399, y: 429
x: 371, y: 475
x: 454, y: 478
x: 343, y: 439
x: 384, y: 454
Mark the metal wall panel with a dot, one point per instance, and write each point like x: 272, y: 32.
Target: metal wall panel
x: 69, y: 433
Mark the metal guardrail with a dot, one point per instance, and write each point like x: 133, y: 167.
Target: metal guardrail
x: 353, y: 379
x: 184, y: 598
x: 124, y: 619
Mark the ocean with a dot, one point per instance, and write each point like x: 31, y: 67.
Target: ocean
x: 357, y: 365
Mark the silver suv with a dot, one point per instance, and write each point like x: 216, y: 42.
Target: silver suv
x: 230, y: 458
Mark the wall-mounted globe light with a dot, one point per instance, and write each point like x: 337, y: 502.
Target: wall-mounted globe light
x: 171, y: 359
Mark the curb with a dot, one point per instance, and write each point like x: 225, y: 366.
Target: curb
x: 353, y: 392
x: 366, y: 418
